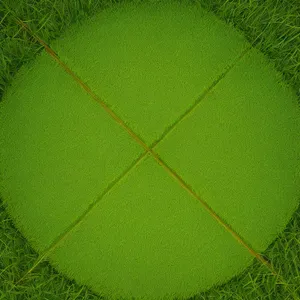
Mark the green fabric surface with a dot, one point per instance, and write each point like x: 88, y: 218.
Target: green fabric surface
x: 58, y: 151
x: 159, y: 239
x: 147, y: 237
x: 241, y: 153
x: 151, y: 65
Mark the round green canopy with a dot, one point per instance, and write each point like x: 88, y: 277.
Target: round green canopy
x: 100, y: 207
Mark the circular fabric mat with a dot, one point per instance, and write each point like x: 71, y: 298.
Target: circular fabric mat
x: 104, y: 211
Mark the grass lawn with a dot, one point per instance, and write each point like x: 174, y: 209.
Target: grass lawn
x: 273, y: 26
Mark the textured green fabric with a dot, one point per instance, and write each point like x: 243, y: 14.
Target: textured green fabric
x: 151, y: 65
x: 147, y: 236
x: 241, y: 153
x: 59, y: 150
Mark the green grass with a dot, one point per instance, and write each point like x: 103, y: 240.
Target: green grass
x: 278, y: 29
